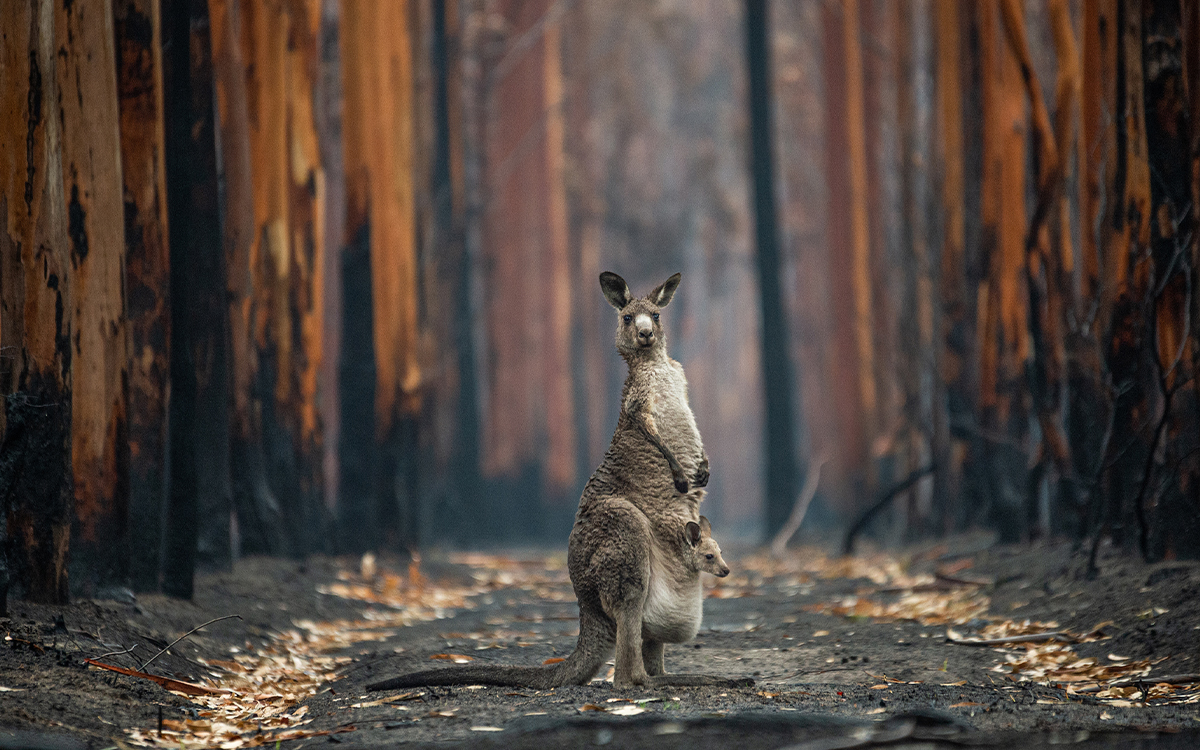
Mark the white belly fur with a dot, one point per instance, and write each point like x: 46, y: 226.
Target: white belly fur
x: 672, y: 612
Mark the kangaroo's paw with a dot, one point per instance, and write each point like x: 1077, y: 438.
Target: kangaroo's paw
x: 681, y: 482
x: 701, y: 478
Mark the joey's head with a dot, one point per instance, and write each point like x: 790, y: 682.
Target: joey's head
x: 706, y: 553
x: 639, y: 330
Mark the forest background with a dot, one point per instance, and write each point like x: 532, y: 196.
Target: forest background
x: 293, y: 276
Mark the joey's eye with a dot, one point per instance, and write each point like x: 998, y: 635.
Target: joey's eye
x: 628, y: 318
x: 708, y: 557
x: 655, y: 317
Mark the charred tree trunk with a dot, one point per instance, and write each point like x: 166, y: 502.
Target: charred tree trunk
x: 91, y: 174
x: 1003, y: 338
x: 378, y: 80
x: 199, y: 482
x: 260, y: 519
x: 845, y: 173
x: 956, y: 347
x: 462, y: 492
x: 1168, y: 522
x: 147, y: 274
x: 778, y: 382
x: 1126, y: 284
x: 36, y: 500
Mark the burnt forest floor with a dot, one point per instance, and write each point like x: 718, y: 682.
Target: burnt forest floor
x: 845, y: 653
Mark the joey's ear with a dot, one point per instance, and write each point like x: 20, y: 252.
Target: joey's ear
x: 616, y: 291
x: 691, y: 532
x: 705, y: 527
x: 663, y: 293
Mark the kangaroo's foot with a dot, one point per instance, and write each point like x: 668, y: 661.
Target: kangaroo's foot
x: 652, y: 657
x: 699, y: 680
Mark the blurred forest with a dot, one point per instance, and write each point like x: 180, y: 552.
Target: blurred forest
x: 293, y: 276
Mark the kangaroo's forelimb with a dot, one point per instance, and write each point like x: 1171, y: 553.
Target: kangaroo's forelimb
x: 643, y: 419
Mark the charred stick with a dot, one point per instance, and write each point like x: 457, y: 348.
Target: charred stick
x: 185, y: 635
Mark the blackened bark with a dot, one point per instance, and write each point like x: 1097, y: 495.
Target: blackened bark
x: 778, y: 380
x: 139, y: 81
x: 199, y: 470
x: 209, y: 311
x: 357, y: 516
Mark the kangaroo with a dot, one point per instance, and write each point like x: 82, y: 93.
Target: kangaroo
x: 636, y: 578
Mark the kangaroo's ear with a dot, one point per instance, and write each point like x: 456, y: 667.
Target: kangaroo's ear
x: 663, y: 293
x: 616, y: 291
x: 691, y: 532
x: 705, y: 527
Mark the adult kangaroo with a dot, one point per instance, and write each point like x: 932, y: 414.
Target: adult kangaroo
x: 631, y: 554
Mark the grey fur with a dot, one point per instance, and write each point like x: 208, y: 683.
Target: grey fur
x: 633, y: 557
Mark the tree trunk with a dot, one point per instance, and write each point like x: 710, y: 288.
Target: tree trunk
x: 378, y: 80
x: 147, y: 274
x: 1168, y: 522
x: 847, y: 248
x: 91, y: 173
x: 1003, y: 338
x: 260, y: 520
x: 306, y: 299
x: 778, y: 382
x: 956, y: 351
x: 1126, y: 273
x: 199, y: 498
x: 36, y: 500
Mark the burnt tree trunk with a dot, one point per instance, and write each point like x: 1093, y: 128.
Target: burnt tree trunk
x: 782, y: 482
x: 260, y: 521
x: 147, y: 274
x: 91, y: 174
x: 199, y: 439
x: 36, y: 500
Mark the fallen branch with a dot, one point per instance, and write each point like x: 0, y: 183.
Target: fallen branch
x: 122, y: 652
x: 800, y: 509
x: 185, y: 635
x: 178, y: 686
x: 1057, y: 635
x: 865, y: 518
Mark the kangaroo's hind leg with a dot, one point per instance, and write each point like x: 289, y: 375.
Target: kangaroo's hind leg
x: 652, y: 657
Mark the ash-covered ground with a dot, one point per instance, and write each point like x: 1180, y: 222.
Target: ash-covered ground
x: 845, y: 653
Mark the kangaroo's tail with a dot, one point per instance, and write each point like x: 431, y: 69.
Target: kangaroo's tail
x: 596, y: 638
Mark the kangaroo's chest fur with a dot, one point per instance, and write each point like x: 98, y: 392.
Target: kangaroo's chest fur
x: 665, y: 388
x: 674, y: 601
x: 635, y: 469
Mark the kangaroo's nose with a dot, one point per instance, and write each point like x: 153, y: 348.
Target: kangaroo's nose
x: 645, y: 335
x: 724, y: 572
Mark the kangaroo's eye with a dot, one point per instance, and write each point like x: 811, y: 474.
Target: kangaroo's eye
x: 655, y: 317
x: 628, y: 318
x: 708, y: 557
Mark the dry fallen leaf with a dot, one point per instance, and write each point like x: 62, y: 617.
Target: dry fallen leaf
x: 554, y: 660
x: 487, y: 729
x: 627, y: 710
x: 966, y: 703
x: 456, y: 658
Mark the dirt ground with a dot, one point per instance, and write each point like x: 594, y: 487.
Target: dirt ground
x: 833, y: 667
